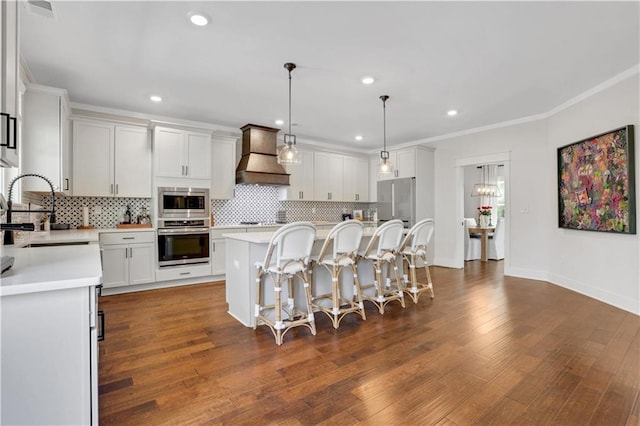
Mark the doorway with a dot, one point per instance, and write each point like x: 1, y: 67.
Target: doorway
x: 466, y: 206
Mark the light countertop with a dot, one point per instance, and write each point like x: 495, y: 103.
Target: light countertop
x: 38, y: 269
x: 265, y: 237
x: 68, y: 236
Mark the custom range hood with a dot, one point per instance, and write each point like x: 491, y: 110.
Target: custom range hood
x: 259, y: 162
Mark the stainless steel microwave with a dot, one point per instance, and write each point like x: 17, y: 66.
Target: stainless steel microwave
x: 183, y: 202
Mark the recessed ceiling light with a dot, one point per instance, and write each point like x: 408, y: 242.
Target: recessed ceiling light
x: 368, y: 80
x: 358, y: 138
x: 198, y: 19
x: 452, y: 112
x: 155, y: 98
x: 279, y: 122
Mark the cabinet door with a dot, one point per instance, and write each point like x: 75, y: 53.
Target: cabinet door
x: 9, y: 71
x: 328, y: 177
x: 356, y: 179
x: 41, y: 152
x: 142, y: 263
x: 132, y: 162
x: 223, y: 169
x: 93, y: 159
x: 301, y: 179
x: 115, y: 265
x: 168, y: 151
x: 218, y: 256
x: 405, y: 163
x: 198, y: 154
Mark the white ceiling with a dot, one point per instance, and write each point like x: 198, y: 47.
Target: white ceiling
x: 492, y: 61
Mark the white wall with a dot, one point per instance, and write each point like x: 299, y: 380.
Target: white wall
x: 603, y: 266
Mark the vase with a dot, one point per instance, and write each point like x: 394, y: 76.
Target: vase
x: 484, y: 221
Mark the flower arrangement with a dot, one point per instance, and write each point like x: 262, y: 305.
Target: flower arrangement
x: 485, y: 210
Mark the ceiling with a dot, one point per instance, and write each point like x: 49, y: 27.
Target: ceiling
x: 492, y: 61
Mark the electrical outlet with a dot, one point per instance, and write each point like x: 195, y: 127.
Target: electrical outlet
x: 344, y: 210
x: 97, y: 210
x: 313, y: 210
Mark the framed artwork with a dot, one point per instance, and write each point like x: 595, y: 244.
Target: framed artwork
x: 596, y: 183
x: 357, y: 214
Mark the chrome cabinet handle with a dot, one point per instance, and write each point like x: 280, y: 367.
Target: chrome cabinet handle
x: 116, y: 189
x: 186, y: 170
x: 111, y: 189
x: 66, y: 184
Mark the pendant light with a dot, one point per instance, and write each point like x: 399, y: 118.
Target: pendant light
x: 288, y: 153
x: 484, y: 188
x: 385, y: 166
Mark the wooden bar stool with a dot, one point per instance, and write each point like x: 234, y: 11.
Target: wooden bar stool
x: 414, y: 247
x: 287, y: 258
x: 338, y: 252
x: 381, y: 251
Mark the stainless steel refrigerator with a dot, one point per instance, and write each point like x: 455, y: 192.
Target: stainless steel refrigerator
x: 397, y: 200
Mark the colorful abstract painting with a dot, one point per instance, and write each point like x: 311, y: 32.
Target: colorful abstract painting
x: 596, y: 183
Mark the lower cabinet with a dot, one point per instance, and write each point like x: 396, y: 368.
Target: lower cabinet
x: 218, y: 248
x: 49, y: 358
x: 128, y: 258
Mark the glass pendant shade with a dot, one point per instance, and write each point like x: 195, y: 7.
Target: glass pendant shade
x: 288, y: 154
x: 385, y: 166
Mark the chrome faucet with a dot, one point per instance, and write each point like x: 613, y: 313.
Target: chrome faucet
x: 8, y: 234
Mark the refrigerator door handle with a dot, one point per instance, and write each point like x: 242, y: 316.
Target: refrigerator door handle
x: 393, y: 201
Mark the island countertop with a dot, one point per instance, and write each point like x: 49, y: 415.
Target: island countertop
x: 265, y: 237
x: 38, y: 269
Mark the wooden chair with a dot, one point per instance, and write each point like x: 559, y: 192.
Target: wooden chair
x: 414, y: 247
x: 338, y: 252
x: 381, y: 251
x: 287, y: 258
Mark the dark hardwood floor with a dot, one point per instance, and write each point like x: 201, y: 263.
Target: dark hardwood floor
x: 488, y: 349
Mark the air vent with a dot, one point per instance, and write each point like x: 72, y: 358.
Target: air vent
x: 41, y: 7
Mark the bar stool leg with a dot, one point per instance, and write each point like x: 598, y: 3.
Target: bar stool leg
x: 357, y: 291
x: 310, y: 315
x: 279, y: 325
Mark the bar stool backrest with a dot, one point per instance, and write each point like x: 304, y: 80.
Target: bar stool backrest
x: 292, y: 242
x: 345, y: 238
x: 386, y: 238
x: 419, y: 236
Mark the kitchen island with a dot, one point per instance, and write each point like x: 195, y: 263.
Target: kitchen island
x: 243, y: 250
x: 49, y: 347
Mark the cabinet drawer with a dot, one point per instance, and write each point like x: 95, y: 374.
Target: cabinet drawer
x: 217, y: 234
x: 127, y: 237
x: 183, y: 272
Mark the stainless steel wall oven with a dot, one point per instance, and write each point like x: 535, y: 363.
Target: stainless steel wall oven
x: 183, y: 226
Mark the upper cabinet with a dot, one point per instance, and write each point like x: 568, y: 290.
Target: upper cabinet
x: 9, y: 71
x: 404, y: 163
x: 300, y: 179
x: 356, y: 179
x: 328, y: 176
x: 46, y: 148
x: 181, y: 153
x: 111, y: 160
x: 223, y: 168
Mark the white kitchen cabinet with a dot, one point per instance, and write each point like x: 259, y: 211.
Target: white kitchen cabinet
x: 328, y: 177
x: 46, y: 147
x: 181, y: 153
x: 47, y: 359
x: 128, y: 258
x: 111, y: 160
x: 218, y: 248
x: 9, y: 72
x: 300, y: 180
x: 356, y: 179
x: 404, y: 164
x: 223, y: 169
